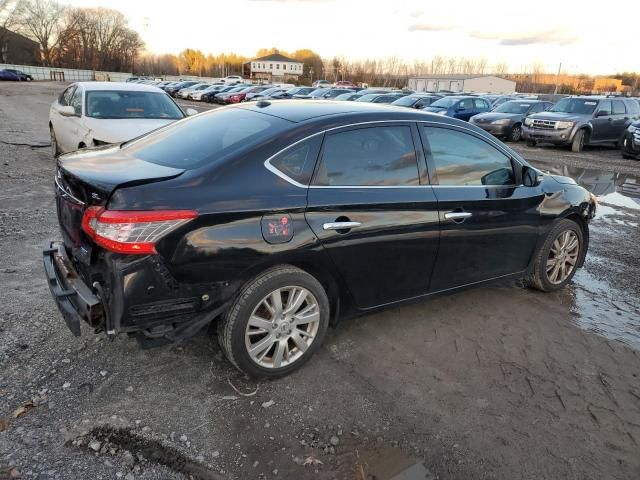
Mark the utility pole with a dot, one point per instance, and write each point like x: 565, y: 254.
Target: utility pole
x: 555, y: 91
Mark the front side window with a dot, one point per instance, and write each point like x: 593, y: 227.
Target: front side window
x: 297, y: 162
x: 466, y: 104
x: 376, y: 156
x: 76, y: 101
x: 65, y: 98
x: 605, y: 107
x: 463, y: 159
x: 123, y: 104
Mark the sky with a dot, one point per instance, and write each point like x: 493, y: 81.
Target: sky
x: 518, y: 33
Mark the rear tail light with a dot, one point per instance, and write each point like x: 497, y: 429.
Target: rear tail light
x: 132, y: 232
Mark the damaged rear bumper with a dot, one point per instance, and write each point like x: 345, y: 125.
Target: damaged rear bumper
x: 74, y: 298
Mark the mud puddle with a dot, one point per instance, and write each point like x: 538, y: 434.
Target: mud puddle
x: 595, y: 304
x: 617, y: 190
x: 388, y: 463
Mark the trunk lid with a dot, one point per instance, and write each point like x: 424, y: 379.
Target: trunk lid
x: 89, y: 177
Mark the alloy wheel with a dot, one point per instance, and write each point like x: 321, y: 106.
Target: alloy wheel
x: 563, y: 257
x: 516, y: 133
x: 282, y: 327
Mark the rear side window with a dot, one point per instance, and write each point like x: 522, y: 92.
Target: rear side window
x: 207, y: 138
x: 618, y: 107
x: 297, y: 162
x: 480, y: 103
x: 633, y: 106
x: 462, y: 159
x: 376, y: 156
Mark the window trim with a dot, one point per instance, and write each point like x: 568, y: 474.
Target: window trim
x: 420, y: 153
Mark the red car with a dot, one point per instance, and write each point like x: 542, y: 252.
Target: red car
x: 345, y: 84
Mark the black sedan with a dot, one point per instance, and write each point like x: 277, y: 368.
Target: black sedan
x: 506, y: 120
x: 631, y: 141
x: 275, y: 219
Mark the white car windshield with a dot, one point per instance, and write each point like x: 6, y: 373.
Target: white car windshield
x: 115, y: 104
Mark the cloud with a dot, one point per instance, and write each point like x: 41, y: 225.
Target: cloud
x: 560, y: 37
x: 429, y: 27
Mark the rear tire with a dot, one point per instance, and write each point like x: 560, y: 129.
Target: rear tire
x: 556, y: 263
x: 577, y: 145
x: 266, y: 337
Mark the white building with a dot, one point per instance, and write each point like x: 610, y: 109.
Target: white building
x: 462, y: 83
x: 274, y: 68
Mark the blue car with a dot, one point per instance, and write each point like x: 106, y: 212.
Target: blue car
x: 459, y: 107
x: 7, y: 75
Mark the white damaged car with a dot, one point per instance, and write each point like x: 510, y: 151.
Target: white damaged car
x: 89, y: 114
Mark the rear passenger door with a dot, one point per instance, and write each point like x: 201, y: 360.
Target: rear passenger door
x: 370, y: 206
x: 488, y: 220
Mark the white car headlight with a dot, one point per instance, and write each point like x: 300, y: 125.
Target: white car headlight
x: 502, y: 121
x: 528, y: 122
x: 563, y: 125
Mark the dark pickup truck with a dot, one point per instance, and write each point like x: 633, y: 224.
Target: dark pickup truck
x: 580, y: 121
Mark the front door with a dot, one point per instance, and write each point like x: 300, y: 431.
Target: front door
x: 602, y: 122
x: 371, y: 207
x: 489, y: 223
x: 464, y: 109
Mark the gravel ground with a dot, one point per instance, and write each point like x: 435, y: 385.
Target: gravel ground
x: 499, y: 382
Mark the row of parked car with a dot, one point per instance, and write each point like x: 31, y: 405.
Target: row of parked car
x: 573, y: 121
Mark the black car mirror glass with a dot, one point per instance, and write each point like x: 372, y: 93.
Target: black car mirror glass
x: 530, y: 177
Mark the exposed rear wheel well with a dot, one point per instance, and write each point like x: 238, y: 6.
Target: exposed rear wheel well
x: 328, y: 283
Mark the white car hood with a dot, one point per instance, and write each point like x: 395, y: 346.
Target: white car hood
x: 120, y: 130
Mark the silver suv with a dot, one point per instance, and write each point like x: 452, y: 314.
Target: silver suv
x: 580, y: 121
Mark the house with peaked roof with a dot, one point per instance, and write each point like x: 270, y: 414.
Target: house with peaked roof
x: 273, y: 68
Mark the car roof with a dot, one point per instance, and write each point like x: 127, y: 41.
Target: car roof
x: 296, y: 111
x: 118, y: 86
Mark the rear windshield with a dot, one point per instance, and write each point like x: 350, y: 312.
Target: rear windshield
x: 203, y: 139
x: 120, y: 104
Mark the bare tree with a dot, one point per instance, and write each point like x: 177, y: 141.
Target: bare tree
x: 42, y: 20
x: 9, y: 15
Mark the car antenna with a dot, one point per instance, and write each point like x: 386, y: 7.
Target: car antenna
x: 262, y: 103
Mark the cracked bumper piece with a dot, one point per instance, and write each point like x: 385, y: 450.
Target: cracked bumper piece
x: 74, y: 298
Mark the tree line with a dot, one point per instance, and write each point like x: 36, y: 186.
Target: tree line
x: 74, y: 37
x: 100, y: 39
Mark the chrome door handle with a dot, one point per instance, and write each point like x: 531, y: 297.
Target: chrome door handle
x: 457, y: 215
x: 340, y: 225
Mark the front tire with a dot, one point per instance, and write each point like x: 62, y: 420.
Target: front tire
x: 54, y: 143
x: 557, y: 260
x: 577, y: 145
x: 516, y: 133
x: 276, y: 323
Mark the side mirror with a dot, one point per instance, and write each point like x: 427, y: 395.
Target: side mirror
x: 602, y: 113
x: 531, y: 177
x: 67, y: 111
x: 191, y: 111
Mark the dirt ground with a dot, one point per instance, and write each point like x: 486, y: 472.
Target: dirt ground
x: 499, y: 382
